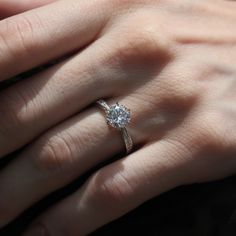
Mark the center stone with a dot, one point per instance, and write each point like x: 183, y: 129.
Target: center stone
x: 118, y: 116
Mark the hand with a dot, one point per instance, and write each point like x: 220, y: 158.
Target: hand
x: 171, y: 62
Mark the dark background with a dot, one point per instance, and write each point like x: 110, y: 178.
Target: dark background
x: 197, y: 210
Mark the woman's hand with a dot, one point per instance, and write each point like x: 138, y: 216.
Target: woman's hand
x: 173, y: 63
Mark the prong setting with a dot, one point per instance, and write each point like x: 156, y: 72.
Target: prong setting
x: 118, y: 116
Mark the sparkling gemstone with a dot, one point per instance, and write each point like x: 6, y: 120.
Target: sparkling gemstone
x: 118, y: 116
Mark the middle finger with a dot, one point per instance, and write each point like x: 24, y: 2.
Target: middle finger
x: 50, y: 97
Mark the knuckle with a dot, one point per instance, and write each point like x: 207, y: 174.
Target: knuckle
x: 142, y: 42
x: 210, y: 130
x: 15, y: 108
x: 55, y: 153
x: 176, y: 93
x: 14, y: 119
x: 11, y: 103
x: 111, y: 191
x: 18, y: 34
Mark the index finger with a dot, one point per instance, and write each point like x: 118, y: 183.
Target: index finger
x: 37, y: 36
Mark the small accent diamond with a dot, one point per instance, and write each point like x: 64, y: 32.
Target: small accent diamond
x: 118, y: 116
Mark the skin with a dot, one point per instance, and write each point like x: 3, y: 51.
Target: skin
x: 171, y: 62
x: 13, y: 7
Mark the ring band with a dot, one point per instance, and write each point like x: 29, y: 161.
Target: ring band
x: 118, y: 116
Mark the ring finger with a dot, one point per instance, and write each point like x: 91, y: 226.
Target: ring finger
x: 55, y: 159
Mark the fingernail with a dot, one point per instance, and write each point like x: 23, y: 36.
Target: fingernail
x: 35, y: 230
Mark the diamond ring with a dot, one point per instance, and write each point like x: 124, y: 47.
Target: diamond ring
x: 118, y: 116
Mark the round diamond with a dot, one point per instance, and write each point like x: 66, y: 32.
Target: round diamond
x: 118, y: 116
